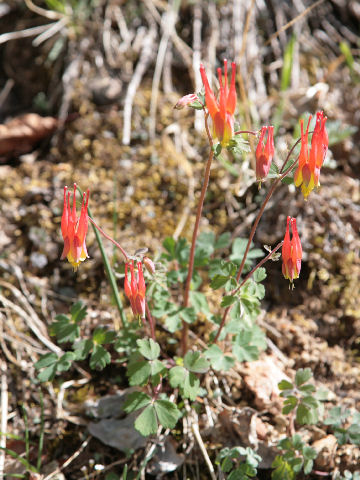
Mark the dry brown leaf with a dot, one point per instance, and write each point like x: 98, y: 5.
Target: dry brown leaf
x: 21, y: 134
x: 262, y: 378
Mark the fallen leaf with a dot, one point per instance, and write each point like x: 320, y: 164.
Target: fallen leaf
x: 22, y: 133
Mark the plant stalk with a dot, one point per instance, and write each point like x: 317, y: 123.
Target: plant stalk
x: 185, y: 326
x: 252, y: 233
x: 108, y: 269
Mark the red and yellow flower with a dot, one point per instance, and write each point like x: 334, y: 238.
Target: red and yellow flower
x: 308, y: 172
x: 291, y: 252
x: 135, y: 289
x: 264, y: 153
x: 222, y: 109
x: 74, y: 229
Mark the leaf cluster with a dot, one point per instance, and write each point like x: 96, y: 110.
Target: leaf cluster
x: 345, y: 431
x: 239, y: 462
x: 297, y: 456
x: 67, y: 329
x: 300, y: 398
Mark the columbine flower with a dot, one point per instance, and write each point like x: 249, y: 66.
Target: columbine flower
x: 135, y: 290
x: 291, y: 252
x: 74, y: 229
x: 221, y: 110
x: 308, y: 172
x: 264, y: 153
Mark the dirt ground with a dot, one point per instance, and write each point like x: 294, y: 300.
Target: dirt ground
x: 145, y: 189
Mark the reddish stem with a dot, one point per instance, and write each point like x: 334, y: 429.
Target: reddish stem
x: 249, y: 275
x: 239, y: 132
x: 109, y: 238
x: 185, y: 326
x: 253, y: 229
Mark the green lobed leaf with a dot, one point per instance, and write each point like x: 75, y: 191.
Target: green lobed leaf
x: 157, y: 367
x: 285, y: 385
x: 65, y: 361
x: 274, y: 171
x: 136, y: 400
x: 228, y: 300
x: 102, y: 336
x: 169, y: 244
x: 99, y: 357
x: 146, y: 423
x: 306, y: 415
x: 78, y: 312
x: 138, y: 372
x: 48, y: 374
x: 148, y: 348
x: 173, y: 322
x: 65, y: 331
x: 289, y: 404
x: 218, y: 360
x: 302, y: 376
x: 195, y: 362
x: 167, y: 412
x: 243, y: 348
x: 82, y: 349
x: 186, y: 381
x: 223, y: 241
x: 198, y: 302
x: 46, y: 360
x: 259, y: 275
x: 218, y: 281
x: 283, y: 470
x: 188, y: 314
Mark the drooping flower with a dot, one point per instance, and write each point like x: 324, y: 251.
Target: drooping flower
x: 221, y: 110
x: 264, y: 153
x: 135, y: 290
x: 308, y: 172
x: 291, y: 252
x: 74, y: 229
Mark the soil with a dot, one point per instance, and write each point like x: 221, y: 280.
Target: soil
x: 142, y: 192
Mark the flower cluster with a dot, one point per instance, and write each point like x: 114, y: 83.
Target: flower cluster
x: 222, y: 110
x: 291, y: 252
x: 308, y: 172
x: 74, y: 229
x: 135, y: 289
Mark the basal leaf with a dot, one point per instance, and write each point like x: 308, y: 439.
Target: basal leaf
x: 146, y: 422
x: 139, y: 372
x: 195, y: 362
x: 148, y: 348
x: 167, y: 412
x: 99, y: 357
x: 302, y: 376
x: 135, y: 401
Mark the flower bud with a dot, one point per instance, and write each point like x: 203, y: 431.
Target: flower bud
x: 149, y: 265
x: 186, y: 100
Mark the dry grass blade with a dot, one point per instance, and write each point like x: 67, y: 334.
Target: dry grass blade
x: 4, y: 415
x: 141, y: 67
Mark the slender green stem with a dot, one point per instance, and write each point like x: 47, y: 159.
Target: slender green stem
x: 108, y: 269
x: 42, y: 428
x: 253, y: 230
x: 27, y: 440
x: 150, y: 320
x: 185, y: 326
